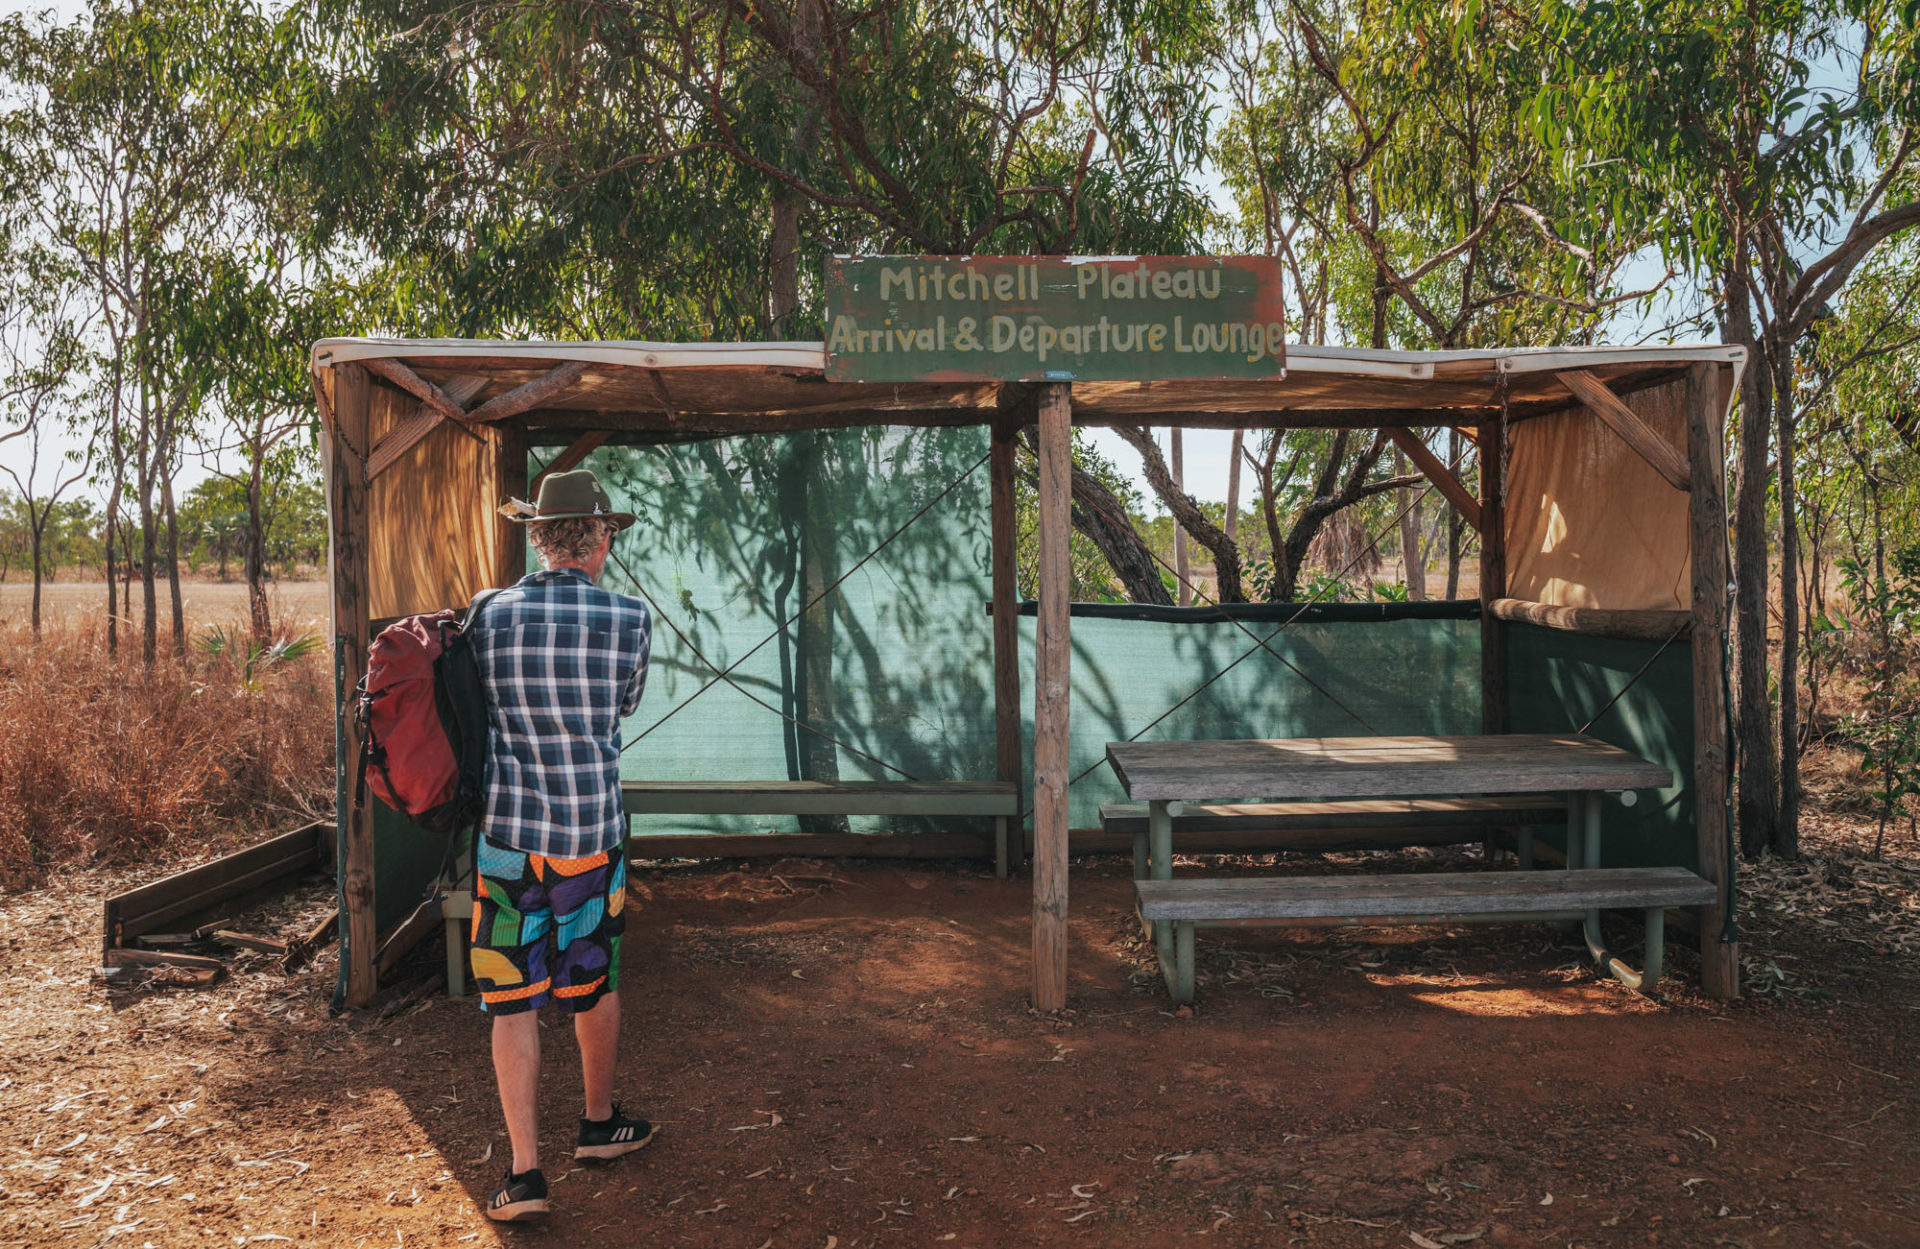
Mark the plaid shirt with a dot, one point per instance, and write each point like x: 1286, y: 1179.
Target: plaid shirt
x: 562, y: 661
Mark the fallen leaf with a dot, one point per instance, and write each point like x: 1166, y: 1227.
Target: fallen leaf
x: 1547, y: 1200
x: 1423, y: 1241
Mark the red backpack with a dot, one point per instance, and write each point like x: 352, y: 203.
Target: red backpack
x: 422, y: 712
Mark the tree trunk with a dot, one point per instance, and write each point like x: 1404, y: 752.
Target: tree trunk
x: 1413, y: 566
x: 112, y: 535
x: 814, y: 640
x: 1758, y: 803
x: 1454, y: 524
x: 1100, y: 517
x: 256, y: 554
x: 1786, y: 832
x: 39, y: 535
x: 1182, y: 570
x: 173, y: 565
x: 1187, y: 513
x: 783, y: 242
x: 1233, y: 483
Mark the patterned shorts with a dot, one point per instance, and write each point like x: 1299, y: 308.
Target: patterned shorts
x: 546, y: 929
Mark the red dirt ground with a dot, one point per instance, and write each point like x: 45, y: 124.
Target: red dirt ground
x: 841, y: 1056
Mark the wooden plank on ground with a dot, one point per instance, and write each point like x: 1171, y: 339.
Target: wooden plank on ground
x: 150, y: 907
x: 1428, y: 893
x: 1362, y: 767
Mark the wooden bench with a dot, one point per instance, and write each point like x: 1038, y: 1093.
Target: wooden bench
x: 1365, y: 824
x: 1176, y: 908
x: 995, y: 800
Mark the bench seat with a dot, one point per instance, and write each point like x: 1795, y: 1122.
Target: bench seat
x: 1177, y: 907
x: 995, y: 800
x: 1318, y: 827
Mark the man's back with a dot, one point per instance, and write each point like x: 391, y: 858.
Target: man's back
x: 562, y: 661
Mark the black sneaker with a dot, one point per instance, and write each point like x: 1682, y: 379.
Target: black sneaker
x: 612, y: 1136
x: 522, y: 1198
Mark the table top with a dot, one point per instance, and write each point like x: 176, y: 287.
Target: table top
x: 1376, y: 767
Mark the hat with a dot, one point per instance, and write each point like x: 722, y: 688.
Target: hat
x: 568, y: 496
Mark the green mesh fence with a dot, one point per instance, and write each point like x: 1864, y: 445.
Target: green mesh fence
x: 1557, y: 681
x: 739, y: 535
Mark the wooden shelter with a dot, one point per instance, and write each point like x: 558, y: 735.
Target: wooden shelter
x: 1600, y: 512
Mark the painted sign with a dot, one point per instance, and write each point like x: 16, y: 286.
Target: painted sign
x: 1053, y: 318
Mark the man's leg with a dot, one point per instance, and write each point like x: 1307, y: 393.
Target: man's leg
x: 516, y: 1069
x: 598, y: 1032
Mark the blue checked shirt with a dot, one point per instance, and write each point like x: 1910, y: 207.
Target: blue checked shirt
x: 562, y: 661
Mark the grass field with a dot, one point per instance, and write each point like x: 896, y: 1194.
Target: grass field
x: 296, y: 604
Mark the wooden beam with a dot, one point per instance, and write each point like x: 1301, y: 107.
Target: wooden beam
x: 809, y: 845
x: 1633, y: 626
x: 570, y: 459
x: 432, y: 398
x: 347, y: 564
x: 423, y: 420
x: 1493, y: 575
x: 419, y: 924
x: 1707, y: 516
x: 525, y: 398
x: 1006, y: 616
x: 1052, y: 655
x: 1624, y: 421
x: 510, y: 482
x: 1436, y: 471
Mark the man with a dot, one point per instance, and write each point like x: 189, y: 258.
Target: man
x: 562, y: 661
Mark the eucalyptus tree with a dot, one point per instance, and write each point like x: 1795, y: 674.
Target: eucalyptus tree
x: 1771, y: 147
x: 1383, y: 153
x: 120, y: 124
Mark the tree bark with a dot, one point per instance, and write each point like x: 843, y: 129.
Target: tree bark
x: 1233, y: 483
x: 1182, y: 569
x: 1187, y: 513
x: 1454, y: 523
x: 1786, y: 831
x: 1414, y: 568
x: 256, y: 554
x: 173, y: 564
x: 783, y: 242
x: 1758, y: 801
x: 1331, y: 493
x: 1100, y: 516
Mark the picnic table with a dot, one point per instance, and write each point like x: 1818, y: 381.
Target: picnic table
x: 1584, y: 769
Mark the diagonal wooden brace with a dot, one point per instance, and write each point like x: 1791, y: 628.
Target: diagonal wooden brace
x: 1436, y: 471
x: 1636, y: 433
x: 532, y: 395
x: 583, y: 446
x: 437, y: 406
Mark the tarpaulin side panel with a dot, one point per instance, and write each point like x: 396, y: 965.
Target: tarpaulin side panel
x: 1589, y: 522
x: 1558, y: 681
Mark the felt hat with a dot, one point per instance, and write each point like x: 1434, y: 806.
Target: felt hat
x: 567, y: 496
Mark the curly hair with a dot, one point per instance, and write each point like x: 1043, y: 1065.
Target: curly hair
x: 570, y: 541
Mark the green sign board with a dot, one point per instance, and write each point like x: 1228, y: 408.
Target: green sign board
x: 1053, y: 318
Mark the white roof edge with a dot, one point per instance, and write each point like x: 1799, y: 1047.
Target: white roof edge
x: 1355, y: 361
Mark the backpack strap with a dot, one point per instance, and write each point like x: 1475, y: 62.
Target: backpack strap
x: 477, y: 604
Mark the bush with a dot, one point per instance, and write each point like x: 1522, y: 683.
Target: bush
x: 103, y: 761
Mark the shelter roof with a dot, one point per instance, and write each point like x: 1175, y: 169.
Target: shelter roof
x: 696, y: 389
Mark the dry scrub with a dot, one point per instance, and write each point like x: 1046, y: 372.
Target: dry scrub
x: 102, y: 760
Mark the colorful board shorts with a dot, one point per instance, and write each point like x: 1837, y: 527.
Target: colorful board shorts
x: 546, y: 929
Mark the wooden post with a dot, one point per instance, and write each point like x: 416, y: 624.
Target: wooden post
x: 347, y: 446
x: 1493, y: 574
x: 510, y: 482
x: 1006, y: 636
x: 1050, y: 698
x: 1707, y: 512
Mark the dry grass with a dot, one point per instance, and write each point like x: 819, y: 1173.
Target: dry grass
x: 101, y: 760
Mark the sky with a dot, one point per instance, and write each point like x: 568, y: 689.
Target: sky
x: 1206, y: 452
